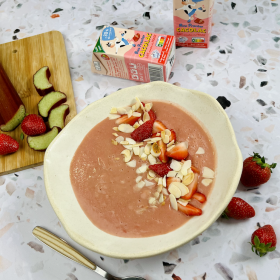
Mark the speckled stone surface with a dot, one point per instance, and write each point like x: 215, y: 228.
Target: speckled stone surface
x: 241, y: 66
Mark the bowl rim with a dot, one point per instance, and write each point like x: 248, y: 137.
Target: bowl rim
x: 232, y: 186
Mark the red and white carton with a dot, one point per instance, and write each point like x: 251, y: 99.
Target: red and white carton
x: 134, y: 55
x: 192, y: 22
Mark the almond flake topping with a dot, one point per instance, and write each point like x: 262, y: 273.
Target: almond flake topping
x: 166, y: 139
x: 184, y: 190
x: 159, y: 189
x: 148, y: 149
x: 175, y: 165
x: 152, y: 159
x: 115, y: 128
x: 179, y: 175
x: 131, y: 163
x: 206, y: 182
x: 160, y: 181
x: 136, y: 114
x: 154, y: 139
x: 207, y: 173
x: 170, y: 147
x: 155, y: 151
x: 114, y: 142
x: 200, y: 151
x: 183, y: 202
x: 126, y: 128
x: 136, y: 150
x: 187, y: 164
x: 173, y: 202
x: 129, y: 113
x: 173, y: 189
x: 140, y: 122
x: 146, y: 117
x: 160, y: 200
x: 167, y: 132
x: 152, y: 200
x: 148, y: 106
x: 142, y: 169
x: 124, y: 143
x: 138, y: 179
x: 122, y: 111
x: 119, y: 139
x: 127, y: 155
x: 113, y: 110
x: 141, y: 184
x: 171, y: 174
x: 114, y: 116
x: 115, y: 134
x: 170, y: 144
x: 148, y: 183
x: 130, y: 140
x: 164, y: 181
x: 188, y: 179
x: 143, y: 156
x: 156, y: 194
x: 136, y: 125
x: 164, y: 191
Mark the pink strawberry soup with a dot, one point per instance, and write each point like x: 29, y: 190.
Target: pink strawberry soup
x: 115, y: 198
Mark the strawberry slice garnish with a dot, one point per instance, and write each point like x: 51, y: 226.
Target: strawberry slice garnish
x: 192, y: 188
x: 143, y: 132
x: 124, y: 119
x: 158, y: 126
x: 179, y: 151
x: 199, y: 197
x: 189, y: 210
x: 162, y: 157
x: 170, y: 180
x: 195, y: 170
x: 161, y: 169
x: 152, y: 115
x: 172, y: 137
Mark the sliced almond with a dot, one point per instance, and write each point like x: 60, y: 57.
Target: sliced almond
x: 144, y: 156
x: 200, y: 151
x: 164, y: 191
x: 149, y: 177
x: 130, y: 140
x: 136, y: 150
x: 156, y: 179
x: 113, y: 116
x: 162, y: 134
x: 136, y: 105
x: 184, y: 190
x: 113, y: 110
x: 136, y: 125
x: 170, y: 148
x: 115, y: 128
x: 140, y: 122
x: 176, y: 165
x: 121, y: 111
x: 114, y: 142
x: 170, y: 144
x: 126, y: 128
x: 141, y: 151
x: 167, y: 132
x: 152, y: 173
x: 148, y: 106
x: 129, y: 147
x: 148, y: 183
x: 138, y: 179
x: 142, y: 169
x: 154, y: 139
x: 166, y: 139
x: 206, y: 182
x: 119, y: 139
x: 164, y: 181
x: 129, y: 113
x: 147, y: 149
x: 117, y: 158
x: 152, y: 159
x: 186, y: 165
x: 152, y: 200
x: 188, y: 179
x: 127, y: 155
x: 115, y: 134
x: 156, y: 194
x: 159, y: 189
x: 155, y: 150
x: 183, y: 202
x: 174, y: 190
x: 124, y: 143
x: 171, y: 174
x: 173, y: 202
x: 131, y: 163
x: 208, y: 173
x: 180, y: 175
x: 138, y: 144
x: 141, y: 184
x: 160, y: 200
x: 160, y: 181
x: 136, y: 114
x: 146, y: 117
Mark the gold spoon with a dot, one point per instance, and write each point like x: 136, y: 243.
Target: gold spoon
x: 62, y: 247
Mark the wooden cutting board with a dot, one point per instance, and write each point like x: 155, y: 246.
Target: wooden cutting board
x: 21, y: 59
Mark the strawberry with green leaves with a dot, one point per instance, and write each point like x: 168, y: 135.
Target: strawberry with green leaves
x: 263, y: 240
x: 256, y: 171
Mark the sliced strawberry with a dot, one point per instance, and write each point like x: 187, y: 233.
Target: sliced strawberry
x: 179, y: 152
x: 158, y: 126
x: 152, y: 115
x: 143, y: 132
x: 124, y: 119
x: 170, y: 180
x: 155, y: 135
x: 189, y: 210
x: 162, y: 157
x: 195, y: 170
x: 192, y: 188
x: 199, y: 197
x: 172, y: 136
x: 161, y: 169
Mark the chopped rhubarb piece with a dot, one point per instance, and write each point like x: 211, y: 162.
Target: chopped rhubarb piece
x: 41, y: 81
x: 51, y: 101
x: 12, y: 110
x: 58, y: 115
x: 189, y: 210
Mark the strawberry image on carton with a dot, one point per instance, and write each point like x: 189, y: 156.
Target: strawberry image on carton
x: 192, y: 22
x: 134, y: 55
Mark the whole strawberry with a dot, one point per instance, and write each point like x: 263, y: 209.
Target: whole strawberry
x: 143, y: 132
x: 8, y: 145
x: 238, y: 209
x: 263, y: 240
x: 33, y: 125
x: 161, y: 169
x: 256, y: 171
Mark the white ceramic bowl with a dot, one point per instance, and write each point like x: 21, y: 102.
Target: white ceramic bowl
x: 61, y: 151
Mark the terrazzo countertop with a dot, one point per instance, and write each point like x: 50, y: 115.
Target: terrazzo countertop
x: 241, y: 66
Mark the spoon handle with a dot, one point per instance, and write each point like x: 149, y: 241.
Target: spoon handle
x: 62, y: 247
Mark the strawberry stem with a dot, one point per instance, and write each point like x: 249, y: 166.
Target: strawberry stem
x: 261, y: 249
x: 261, y: 162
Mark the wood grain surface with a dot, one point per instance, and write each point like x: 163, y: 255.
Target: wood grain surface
x: 21, y: 59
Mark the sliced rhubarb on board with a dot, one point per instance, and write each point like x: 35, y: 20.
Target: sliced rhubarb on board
x: 58, y: 115
x: 41, y: 81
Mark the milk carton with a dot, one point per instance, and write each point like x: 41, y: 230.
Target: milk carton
x: 134, y: 55
x: 192, y: 22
